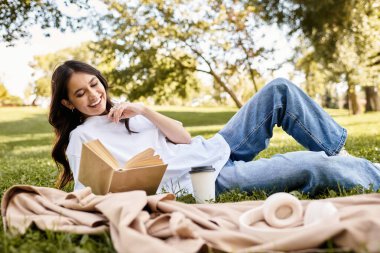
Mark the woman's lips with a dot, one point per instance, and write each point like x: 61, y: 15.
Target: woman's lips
x: 96, y: 102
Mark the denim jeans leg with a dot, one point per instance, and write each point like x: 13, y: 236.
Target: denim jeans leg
x: 281, y: 103
x: 307, y: 171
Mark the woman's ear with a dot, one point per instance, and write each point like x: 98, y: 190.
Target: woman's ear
x: 67, y: 104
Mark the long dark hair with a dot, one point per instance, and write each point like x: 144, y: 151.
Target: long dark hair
x: 63, y: 119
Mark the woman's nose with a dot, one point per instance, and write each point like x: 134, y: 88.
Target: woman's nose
x: 92, y: 94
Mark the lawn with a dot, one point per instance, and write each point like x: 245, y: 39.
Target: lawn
x: 26, y: 139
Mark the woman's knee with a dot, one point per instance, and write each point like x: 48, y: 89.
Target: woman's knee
x: 281, y: 85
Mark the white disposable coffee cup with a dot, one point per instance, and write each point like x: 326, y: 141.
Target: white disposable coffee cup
x: 203, y: 181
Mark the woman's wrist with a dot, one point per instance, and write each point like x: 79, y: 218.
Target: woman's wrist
x: 145, y: 110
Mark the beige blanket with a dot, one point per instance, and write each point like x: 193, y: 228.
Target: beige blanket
x: 140, y: 223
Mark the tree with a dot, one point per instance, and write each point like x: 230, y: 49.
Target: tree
x: 6, y: 98
x: 3, y: 92
x: 165, y: 42
x: 107, y: 62
x: 341, y: 35
x: 316, y: 78
x: 44, y: 65
x: 17, y: 16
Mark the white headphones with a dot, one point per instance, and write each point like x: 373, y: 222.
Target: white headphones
x: 284, y: 214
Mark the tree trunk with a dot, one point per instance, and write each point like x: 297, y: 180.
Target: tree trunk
x: 346, y: 103
x: 34, y: 102
x: 227, y: 89
x: 352, y: 98
x: 353, y: 102
x: 251, y: 72
x: 216, y: 76
x: 372, y: 99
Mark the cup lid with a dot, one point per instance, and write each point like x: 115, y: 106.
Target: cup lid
x: 208, y: 168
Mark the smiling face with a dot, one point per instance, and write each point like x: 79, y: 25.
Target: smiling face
x: 86, y: 94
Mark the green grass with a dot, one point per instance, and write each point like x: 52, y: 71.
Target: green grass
x: 26, y: 139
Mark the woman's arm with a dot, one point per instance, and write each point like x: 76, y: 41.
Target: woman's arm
x: 172, y: 129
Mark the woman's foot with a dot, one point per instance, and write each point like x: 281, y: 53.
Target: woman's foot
x: 343, y: 152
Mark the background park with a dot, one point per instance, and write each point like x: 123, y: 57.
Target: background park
x: 195, y: 61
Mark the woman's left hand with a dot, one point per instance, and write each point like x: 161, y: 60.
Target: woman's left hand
x: 125, y: 110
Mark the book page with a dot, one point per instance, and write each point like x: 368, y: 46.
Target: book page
x: 143, y: 159
x: 98, y: 148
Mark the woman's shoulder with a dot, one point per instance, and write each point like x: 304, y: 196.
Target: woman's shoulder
x: 76, y: 132
x: 76, y: 135
x: 91, y: 123
x: 81, y: 129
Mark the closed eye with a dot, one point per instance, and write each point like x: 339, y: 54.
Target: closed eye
x: 80, y: 95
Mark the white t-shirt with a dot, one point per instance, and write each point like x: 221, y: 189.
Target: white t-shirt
x: 122, y: 145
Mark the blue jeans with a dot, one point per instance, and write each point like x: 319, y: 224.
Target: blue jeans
x: 248, y: 132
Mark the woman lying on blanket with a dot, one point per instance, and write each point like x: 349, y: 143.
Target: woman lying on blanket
x: 81, y: 111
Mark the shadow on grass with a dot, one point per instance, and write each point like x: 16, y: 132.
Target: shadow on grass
x: 204, y: 133
x: 200, y: 118
x: 26, y: 147
x: 367, y: 124
x: 36, y: 124
x: 33, y: 141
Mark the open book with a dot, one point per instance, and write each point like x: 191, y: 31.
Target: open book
x: 102, y: 172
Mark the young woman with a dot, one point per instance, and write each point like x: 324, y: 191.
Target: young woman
x: 81, y: 111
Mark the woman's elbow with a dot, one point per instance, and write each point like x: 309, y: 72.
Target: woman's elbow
x: 180, y: 139
x: 185, y: 139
